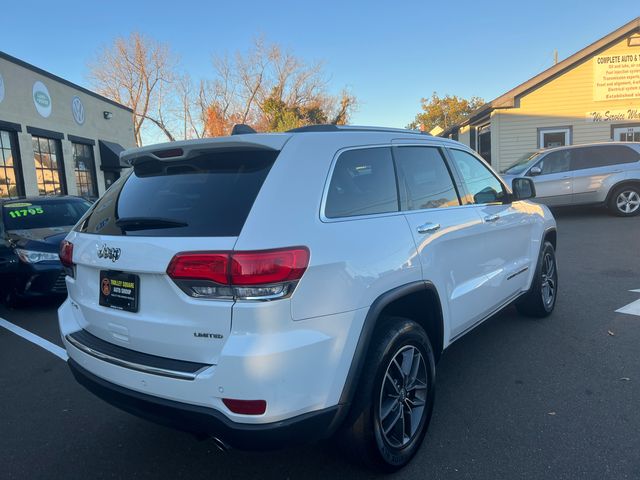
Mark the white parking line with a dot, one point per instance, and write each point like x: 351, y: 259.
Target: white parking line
x: 41, y: 342
x: 633, y: 308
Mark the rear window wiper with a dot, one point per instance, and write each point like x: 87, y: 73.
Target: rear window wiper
x: 146, y: 223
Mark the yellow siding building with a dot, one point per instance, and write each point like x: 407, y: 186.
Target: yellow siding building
x: 592, y: 96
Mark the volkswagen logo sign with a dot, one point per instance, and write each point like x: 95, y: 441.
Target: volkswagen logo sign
x: 77, y: 108
x: 110, y: 253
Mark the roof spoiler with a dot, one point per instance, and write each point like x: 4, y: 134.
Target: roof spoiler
x: 241, y: 129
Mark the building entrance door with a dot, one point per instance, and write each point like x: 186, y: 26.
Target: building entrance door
x: 484, y: 143
x: 627, y: 134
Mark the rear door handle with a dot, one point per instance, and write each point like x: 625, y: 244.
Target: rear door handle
x: 428, y: 227
x: 491, y: 218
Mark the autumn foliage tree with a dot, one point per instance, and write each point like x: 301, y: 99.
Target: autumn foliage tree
x: 272, y: 90
x: 266, y: 87
x: 444, y: 111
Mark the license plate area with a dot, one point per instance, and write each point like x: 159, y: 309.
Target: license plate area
x: 119, y: 290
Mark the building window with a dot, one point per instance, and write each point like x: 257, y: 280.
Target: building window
x: 484, y: 142
x: 85, y: 169
x: 554, y: 137
x: 49, y: 166
x: 10, y: 184
x: 626, y: 133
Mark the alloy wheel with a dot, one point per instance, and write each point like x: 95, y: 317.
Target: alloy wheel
x: 548, y: 280
x: 628, y: 201
x: 403, y: 397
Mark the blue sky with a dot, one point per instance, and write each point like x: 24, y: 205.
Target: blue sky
x: 390, y: 54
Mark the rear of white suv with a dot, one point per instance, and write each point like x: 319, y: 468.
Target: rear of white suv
x: 269, y: 289
x: 164, y: 300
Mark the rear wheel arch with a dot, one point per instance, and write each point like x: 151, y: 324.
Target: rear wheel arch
x: 551, y: 235
x: 418, y: 301
x: 622, y: 183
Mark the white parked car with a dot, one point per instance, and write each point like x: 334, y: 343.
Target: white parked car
x: 270, y: 289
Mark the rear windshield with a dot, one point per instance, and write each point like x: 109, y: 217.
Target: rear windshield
x: 25, y: 215
x: 209, y: 195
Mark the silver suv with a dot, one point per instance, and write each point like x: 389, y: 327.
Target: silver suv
x: 605, y: 173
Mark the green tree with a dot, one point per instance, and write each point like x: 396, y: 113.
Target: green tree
x: 444, y: 111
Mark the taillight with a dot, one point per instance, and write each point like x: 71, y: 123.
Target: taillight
x: 259, y: 275
x: 66, y: 253
x: 275, y: 266
x: 200, y: 266
x: 66, y: 256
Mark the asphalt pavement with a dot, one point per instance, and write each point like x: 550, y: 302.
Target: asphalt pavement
x: 557, y: 398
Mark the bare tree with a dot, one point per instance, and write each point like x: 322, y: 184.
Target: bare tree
x: 272, y: 89
x: 265, y: 86
x: 137, y: 72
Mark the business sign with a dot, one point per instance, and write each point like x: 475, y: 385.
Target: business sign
x: 42, y: 99
x: 616, y: 77
x: 77, y: 108
x: 1, y: 88
x: 618, y: 115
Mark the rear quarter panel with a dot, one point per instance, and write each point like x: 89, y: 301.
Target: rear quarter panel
x: 352, y: 262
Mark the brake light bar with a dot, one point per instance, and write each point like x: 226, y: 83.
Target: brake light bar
x: 254, y: 275
x: 169, y: 153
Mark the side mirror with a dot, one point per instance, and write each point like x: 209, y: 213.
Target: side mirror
x: 523, y: 188
x: 535, y: 171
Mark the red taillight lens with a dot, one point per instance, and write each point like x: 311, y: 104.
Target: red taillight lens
x: 259, y: 275
x: 66, y: 253
x: 200, y: 266
x: 271, y: 266
x: 246, y: 407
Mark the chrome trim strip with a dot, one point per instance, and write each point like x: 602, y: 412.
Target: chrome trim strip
x: 522, y: 270
x: 131, y: 365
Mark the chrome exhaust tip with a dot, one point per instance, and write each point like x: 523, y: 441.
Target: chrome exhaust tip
x: 220, y: 444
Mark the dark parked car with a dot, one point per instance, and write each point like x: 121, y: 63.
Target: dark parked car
x: 32, y: 229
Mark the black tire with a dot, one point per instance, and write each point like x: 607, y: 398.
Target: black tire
x: 364, y: 432
x: 536, y: 302
x: 625, y: 201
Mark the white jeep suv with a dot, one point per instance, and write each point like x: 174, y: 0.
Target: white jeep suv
x: 269, y: 289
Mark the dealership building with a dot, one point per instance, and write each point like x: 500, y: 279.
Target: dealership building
x: 57, y: 137
x: 592, y: 96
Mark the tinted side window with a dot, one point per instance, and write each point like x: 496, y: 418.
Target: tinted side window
x: 602, y: 156
x: 363, y: 183
x: 556, y: 162
x: 424, y: 175
x: 482, y: 185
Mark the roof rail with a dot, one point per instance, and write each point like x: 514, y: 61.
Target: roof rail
x: 241, y: 128
x: 352, y: 128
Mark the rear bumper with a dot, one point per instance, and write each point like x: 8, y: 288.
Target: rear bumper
x: 199, y: 420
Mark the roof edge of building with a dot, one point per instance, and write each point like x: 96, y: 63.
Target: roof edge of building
x: 56, y: 78
x: 507, y: 100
